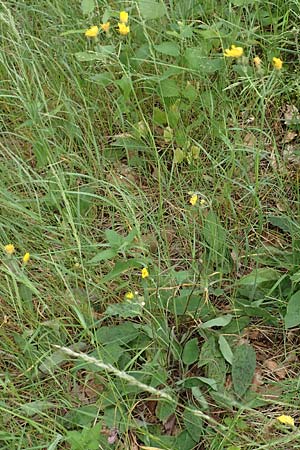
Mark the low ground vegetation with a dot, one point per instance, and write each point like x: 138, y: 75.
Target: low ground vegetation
x: 149, y: 227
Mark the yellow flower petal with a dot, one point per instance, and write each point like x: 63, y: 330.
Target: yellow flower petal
x: 123, y: 29
x: 145, y: 273
x: 234, y: 52
x: 26, y: 257
x: 257, y: 61
x: 286, y: 420
x: 92, y: 32
x: 193, y: 199
x: 129, y: 295
x: 105, y: 26
x: 9, y: 249
x: 277, y: 63
x: 123, y: 17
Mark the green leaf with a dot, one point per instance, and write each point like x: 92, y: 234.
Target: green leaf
x: 243, y: 368
x: 179, y: 155
x: 193, y: 423
x: 87, y: 56
x: 184, y: 441
x: 37, y: 407
x: 88, y: 438
x: 169, y: 88
x: 121, y: 334
x: 109, y: 354
x: 103, y: 51
x: 225, y: 349
x: 120, y: 268
x: 194, y: 56
x: 26, y: 296
x: 103, y: 256
x: 184, y: 8
x: 282, y: 222
x: 53, y: 445
x: 125, y: 309
x: 258, y: 277
x: 70, y: 32
x: 258, y: 282
x: 191, y: 382
x: 57, y: 358
x: 210, y: 65
x: 217, y: 322
x: 243, y: 2
x: 214, y: 233
x: 159, y: 117
x: 151, y: 9
x: 212, y: 359
x: 83, y: 416
x: 164, y: 409
x: 190, y: 93
x: 190, y: 352
x: 87, y: 6
x: 292, y: 317
x: 115, y: 417
x: 197, y: 394
x: 114, y: 239
x: 168, y: 48
x: 103, y: 79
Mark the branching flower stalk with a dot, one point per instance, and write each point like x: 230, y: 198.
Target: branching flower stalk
x: 131, y: 380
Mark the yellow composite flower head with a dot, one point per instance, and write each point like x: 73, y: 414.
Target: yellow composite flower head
x: 129, y: 295
x: 26, y: 258
x: 145, y: 273
x: 92, y: 32
x: 257, y: 61
x: 123, y: 29
x: 286, y: 420
x: 123, y: 17
x: 9, y: 249
x: 277, y: 63
x: 233, y: 52
x: 105, y: 26
x: 193, y: 199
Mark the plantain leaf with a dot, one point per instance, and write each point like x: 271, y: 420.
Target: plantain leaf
x: 243, y: 367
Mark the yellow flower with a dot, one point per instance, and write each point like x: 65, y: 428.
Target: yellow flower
x: 145, y: 273
x: 193, y: 199
x: 277, y: 63
x: 286, y: 420
x: 26, y: 258
x: 9, y: 249
x: 257, y: 62
x: 203, y: 202
x: 123, y: 17
x: 92, y: 32
x: 129, y: 295
x: 123, y: 29
x: 105, y: 26
x: 234, y: 52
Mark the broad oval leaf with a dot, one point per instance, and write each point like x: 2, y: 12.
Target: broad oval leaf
x: 243, y: 367
x: 225, y: 349
x: 151, y: 9
x: 168, y: 48
x: 87, y: 6
x: 190, y: 352
x: 193, y: 423
x: 292, y: 317
x: 217, y: 322
x: 169, y: 88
